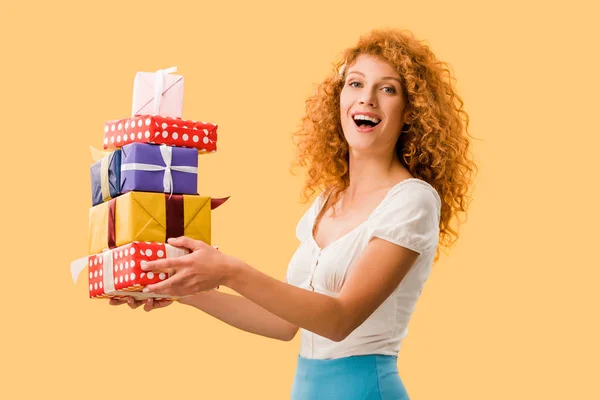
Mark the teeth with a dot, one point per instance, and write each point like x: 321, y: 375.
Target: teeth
x: 367, y: 118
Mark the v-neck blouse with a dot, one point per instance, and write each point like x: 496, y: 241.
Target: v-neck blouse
x: 408, y: 216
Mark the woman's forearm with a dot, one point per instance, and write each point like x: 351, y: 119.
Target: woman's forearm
x: 316, y: 312
x: 241, y: 313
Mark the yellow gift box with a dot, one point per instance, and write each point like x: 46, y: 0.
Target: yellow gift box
x: 148, y: 217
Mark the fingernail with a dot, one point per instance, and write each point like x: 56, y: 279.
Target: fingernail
x: 146, y: 290
x: 149, y: 301
x: 170, y: 239
x: 144, y: 265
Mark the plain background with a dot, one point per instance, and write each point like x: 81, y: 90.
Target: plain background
x: 510, y: 312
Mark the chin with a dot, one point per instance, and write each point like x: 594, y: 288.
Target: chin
x: 358, y: 145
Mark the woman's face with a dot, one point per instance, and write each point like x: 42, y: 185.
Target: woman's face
x: 372, y: 106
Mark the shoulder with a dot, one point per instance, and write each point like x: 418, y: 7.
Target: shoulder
x: 411, y: 194
x: 417, y: 192
x: 409, y: 215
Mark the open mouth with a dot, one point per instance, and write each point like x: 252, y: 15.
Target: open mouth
x: 365, y: 122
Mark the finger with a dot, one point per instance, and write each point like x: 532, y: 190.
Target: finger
x: 186, y: 242
x: 163, y: 302
x: 152, y: 303
x: 149, y: 304
x: 167, y: 287
x: 132, y: 303
x: 178, y: 285
x: 116, y: 302
x: 166, y: 264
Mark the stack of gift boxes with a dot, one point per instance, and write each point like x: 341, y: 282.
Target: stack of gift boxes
x: 145, y: 189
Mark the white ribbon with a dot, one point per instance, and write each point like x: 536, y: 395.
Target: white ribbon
x: 167, y: 155
x: 159, y: 84
x: 172, y: 251
x: 108, y: 276
x: 77, y: 266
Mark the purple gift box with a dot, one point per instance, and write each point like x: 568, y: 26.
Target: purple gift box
x: 159, y: 168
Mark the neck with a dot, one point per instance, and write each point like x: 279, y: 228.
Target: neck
x: 369, y: 173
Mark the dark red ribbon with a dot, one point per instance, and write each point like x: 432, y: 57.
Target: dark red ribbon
x: 214, y: 203
x: 174, y: 216
x: 111, y: 223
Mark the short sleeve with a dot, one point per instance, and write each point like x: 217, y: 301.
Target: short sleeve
x: 409, y: 218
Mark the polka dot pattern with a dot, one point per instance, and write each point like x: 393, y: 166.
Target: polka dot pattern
x: 95, y: 276
x: 127, y: 274
x: 161, y: 130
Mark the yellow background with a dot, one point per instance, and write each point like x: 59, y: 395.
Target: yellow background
x: 510, y: 313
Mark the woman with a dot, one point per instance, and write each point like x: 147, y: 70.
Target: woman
x: 386, y: 139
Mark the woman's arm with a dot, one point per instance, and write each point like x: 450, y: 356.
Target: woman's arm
x: 377, y: 273
x: 241, y: 313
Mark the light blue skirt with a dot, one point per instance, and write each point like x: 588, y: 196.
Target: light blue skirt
x: 368, y: 377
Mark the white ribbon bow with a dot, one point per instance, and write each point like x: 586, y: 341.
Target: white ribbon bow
x: 159, y: 84
x: 79, y: 265
x: 167, y: 155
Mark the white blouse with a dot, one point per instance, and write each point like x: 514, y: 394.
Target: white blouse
x: 408, y: 216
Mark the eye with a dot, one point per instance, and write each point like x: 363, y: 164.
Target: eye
x: 352, y: 84
x: 390, y: 89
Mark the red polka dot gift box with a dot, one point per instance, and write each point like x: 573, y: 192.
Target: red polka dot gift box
x: 161, y: 130
x: 117, y: 272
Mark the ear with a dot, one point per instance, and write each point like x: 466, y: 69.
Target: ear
x: 407, y: 116
x: 405, y: 128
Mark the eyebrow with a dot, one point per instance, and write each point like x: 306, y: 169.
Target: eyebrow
x: 385, y: 77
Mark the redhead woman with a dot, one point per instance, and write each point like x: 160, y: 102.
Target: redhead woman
x: 385, y: 141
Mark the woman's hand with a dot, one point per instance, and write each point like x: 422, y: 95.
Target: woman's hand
x: 149, y: 304
x: 205, y: 268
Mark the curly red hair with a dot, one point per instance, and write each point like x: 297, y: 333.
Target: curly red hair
x: 434, y: 145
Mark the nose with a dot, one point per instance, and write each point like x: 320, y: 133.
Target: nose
x: 367, y: 98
